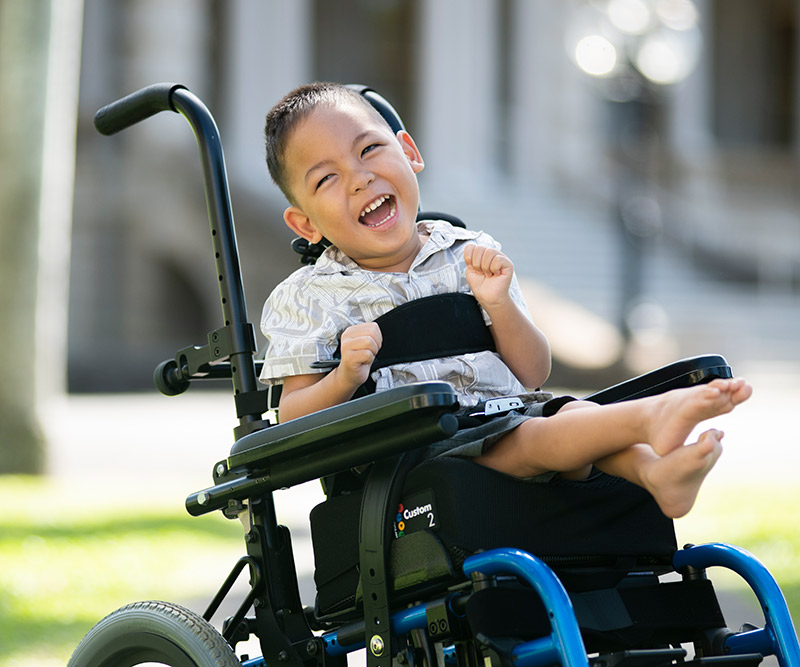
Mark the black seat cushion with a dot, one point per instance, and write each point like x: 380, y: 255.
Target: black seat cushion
x: 591, y: 532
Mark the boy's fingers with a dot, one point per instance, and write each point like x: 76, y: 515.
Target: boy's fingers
x: 476, y: 257
x: 492, y: 261
x: 486, y: 260
x: 366, y: 336
x: 360, y: 343
x: 489, y: 258
x: 377, y: 333
x: 469, y: 250
x: 364, y: 329
x: 500, y: 262
x: 469, y: 256
x: 362, y: 357
x: 367, y: 343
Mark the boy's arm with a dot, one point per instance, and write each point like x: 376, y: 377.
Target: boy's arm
x: 304, y: 394
x: 520, y: 344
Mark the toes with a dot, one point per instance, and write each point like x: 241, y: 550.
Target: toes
x: 709, y: 442
x: 712, y: 434
x: 743, y: 392
x: 737, y: 388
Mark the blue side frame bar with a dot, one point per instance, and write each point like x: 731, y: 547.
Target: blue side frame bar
x: 565, y: 644
x: 403, y: 622
x: 778, y: 636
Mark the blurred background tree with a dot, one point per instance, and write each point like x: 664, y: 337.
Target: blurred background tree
x: 39, y: 64
x: 23, y: 66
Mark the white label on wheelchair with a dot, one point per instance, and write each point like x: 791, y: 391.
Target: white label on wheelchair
x: 417, y: 512
x: 499, y: 405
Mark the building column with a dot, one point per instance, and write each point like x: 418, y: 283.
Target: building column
x: 689, y: 120
x: 269, y: 54
x: 457, y: 96
x: 556, y: 120
x: 536, y: 87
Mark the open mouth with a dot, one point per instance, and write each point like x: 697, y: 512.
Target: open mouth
x: 378, y: 212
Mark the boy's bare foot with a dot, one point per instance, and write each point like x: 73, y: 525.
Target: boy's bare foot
x: 674, y: 479
x: 676, y: 413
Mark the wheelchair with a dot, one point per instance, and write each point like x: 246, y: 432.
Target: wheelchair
x: 434, y: 563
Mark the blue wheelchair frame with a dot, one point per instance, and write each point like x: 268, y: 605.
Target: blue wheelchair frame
x: 426, y: 415
x: 565, y: 644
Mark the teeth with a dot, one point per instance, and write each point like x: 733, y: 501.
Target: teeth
x: 373, y: 205
x: 392, y: 211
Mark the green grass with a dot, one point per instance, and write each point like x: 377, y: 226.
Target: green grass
x: 759, y: 518
x: 67, y: 561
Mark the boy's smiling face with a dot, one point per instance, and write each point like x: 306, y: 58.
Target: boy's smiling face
x: 354, y: 183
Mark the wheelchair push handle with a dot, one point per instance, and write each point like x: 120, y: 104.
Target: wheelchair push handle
x: 136, y: 107
x: 235, y: 341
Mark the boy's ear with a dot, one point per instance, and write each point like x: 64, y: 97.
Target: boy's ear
x: 301, y: 224
x: 411, y: 151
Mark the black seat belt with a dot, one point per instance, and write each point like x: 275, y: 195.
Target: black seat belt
x: 433, y: 327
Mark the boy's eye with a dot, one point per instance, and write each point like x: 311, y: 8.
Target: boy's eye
x: 369, y: 148
x: 322, y: 181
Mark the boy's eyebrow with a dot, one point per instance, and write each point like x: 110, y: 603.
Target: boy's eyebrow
x: 357, y: 140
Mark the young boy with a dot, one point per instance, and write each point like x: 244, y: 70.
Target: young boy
x: 349, y: 179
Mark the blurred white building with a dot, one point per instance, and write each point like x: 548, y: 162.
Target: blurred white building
x: 505, y: 118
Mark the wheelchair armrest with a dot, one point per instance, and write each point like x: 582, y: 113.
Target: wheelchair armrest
x: 332, y: 440
x: 684, y: 373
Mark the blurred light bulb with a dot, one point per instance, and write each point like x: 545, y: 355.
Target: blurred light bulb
x: 596, y: 55
x: 677, y: 14
x: 667, y: 57
x: 629, y: 16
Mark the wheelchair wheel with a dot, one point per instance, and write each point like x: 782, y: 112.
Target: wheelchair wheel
x: 153, y: 633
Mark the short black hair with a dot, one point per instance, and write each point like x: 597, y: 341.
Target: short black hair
x: 293, y: 108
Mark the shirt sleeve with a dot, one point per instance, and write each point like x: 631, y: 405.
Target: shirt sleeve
x: 298, y: 330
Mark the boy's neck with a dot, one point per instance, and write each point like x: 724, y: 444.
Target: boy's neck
x: 403, y: 266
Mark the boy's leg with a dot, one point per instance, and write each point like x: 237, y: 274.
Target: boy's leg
x: 576, y: 438
x: 674, y: 479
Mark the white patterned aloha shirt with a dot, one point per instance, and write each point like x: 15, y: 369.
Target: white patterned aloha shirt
x: 305, y: 315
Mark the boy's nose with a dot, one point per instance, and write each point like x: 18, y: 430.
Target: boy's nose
x: 362, y: 180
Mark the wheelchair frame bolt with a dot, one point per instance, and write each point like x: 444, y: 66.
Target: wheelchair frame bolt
x: 221, y: 470
x: 376, y: 645
x: 202, y: 498
x: 311, y: 647
x: 283, y: 656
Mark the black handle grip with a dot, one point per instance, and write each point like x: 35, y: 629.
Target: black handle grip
x: 135, y: 107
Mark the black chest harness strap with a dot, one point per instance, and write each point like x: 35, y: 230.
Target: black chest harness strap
x: 433, y: 327
x: 443, y: 325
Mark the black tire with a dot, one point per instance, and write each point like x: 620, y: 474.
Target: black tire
x: 146, y: 632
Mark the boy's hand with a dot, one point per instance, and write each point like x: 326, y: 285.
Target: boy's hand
x: 489, y: 274
x: 359, y: 345
x: 307, y: 393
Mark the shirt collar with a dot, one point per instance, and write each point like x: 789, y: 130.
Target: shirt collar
x: 441, y: 233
